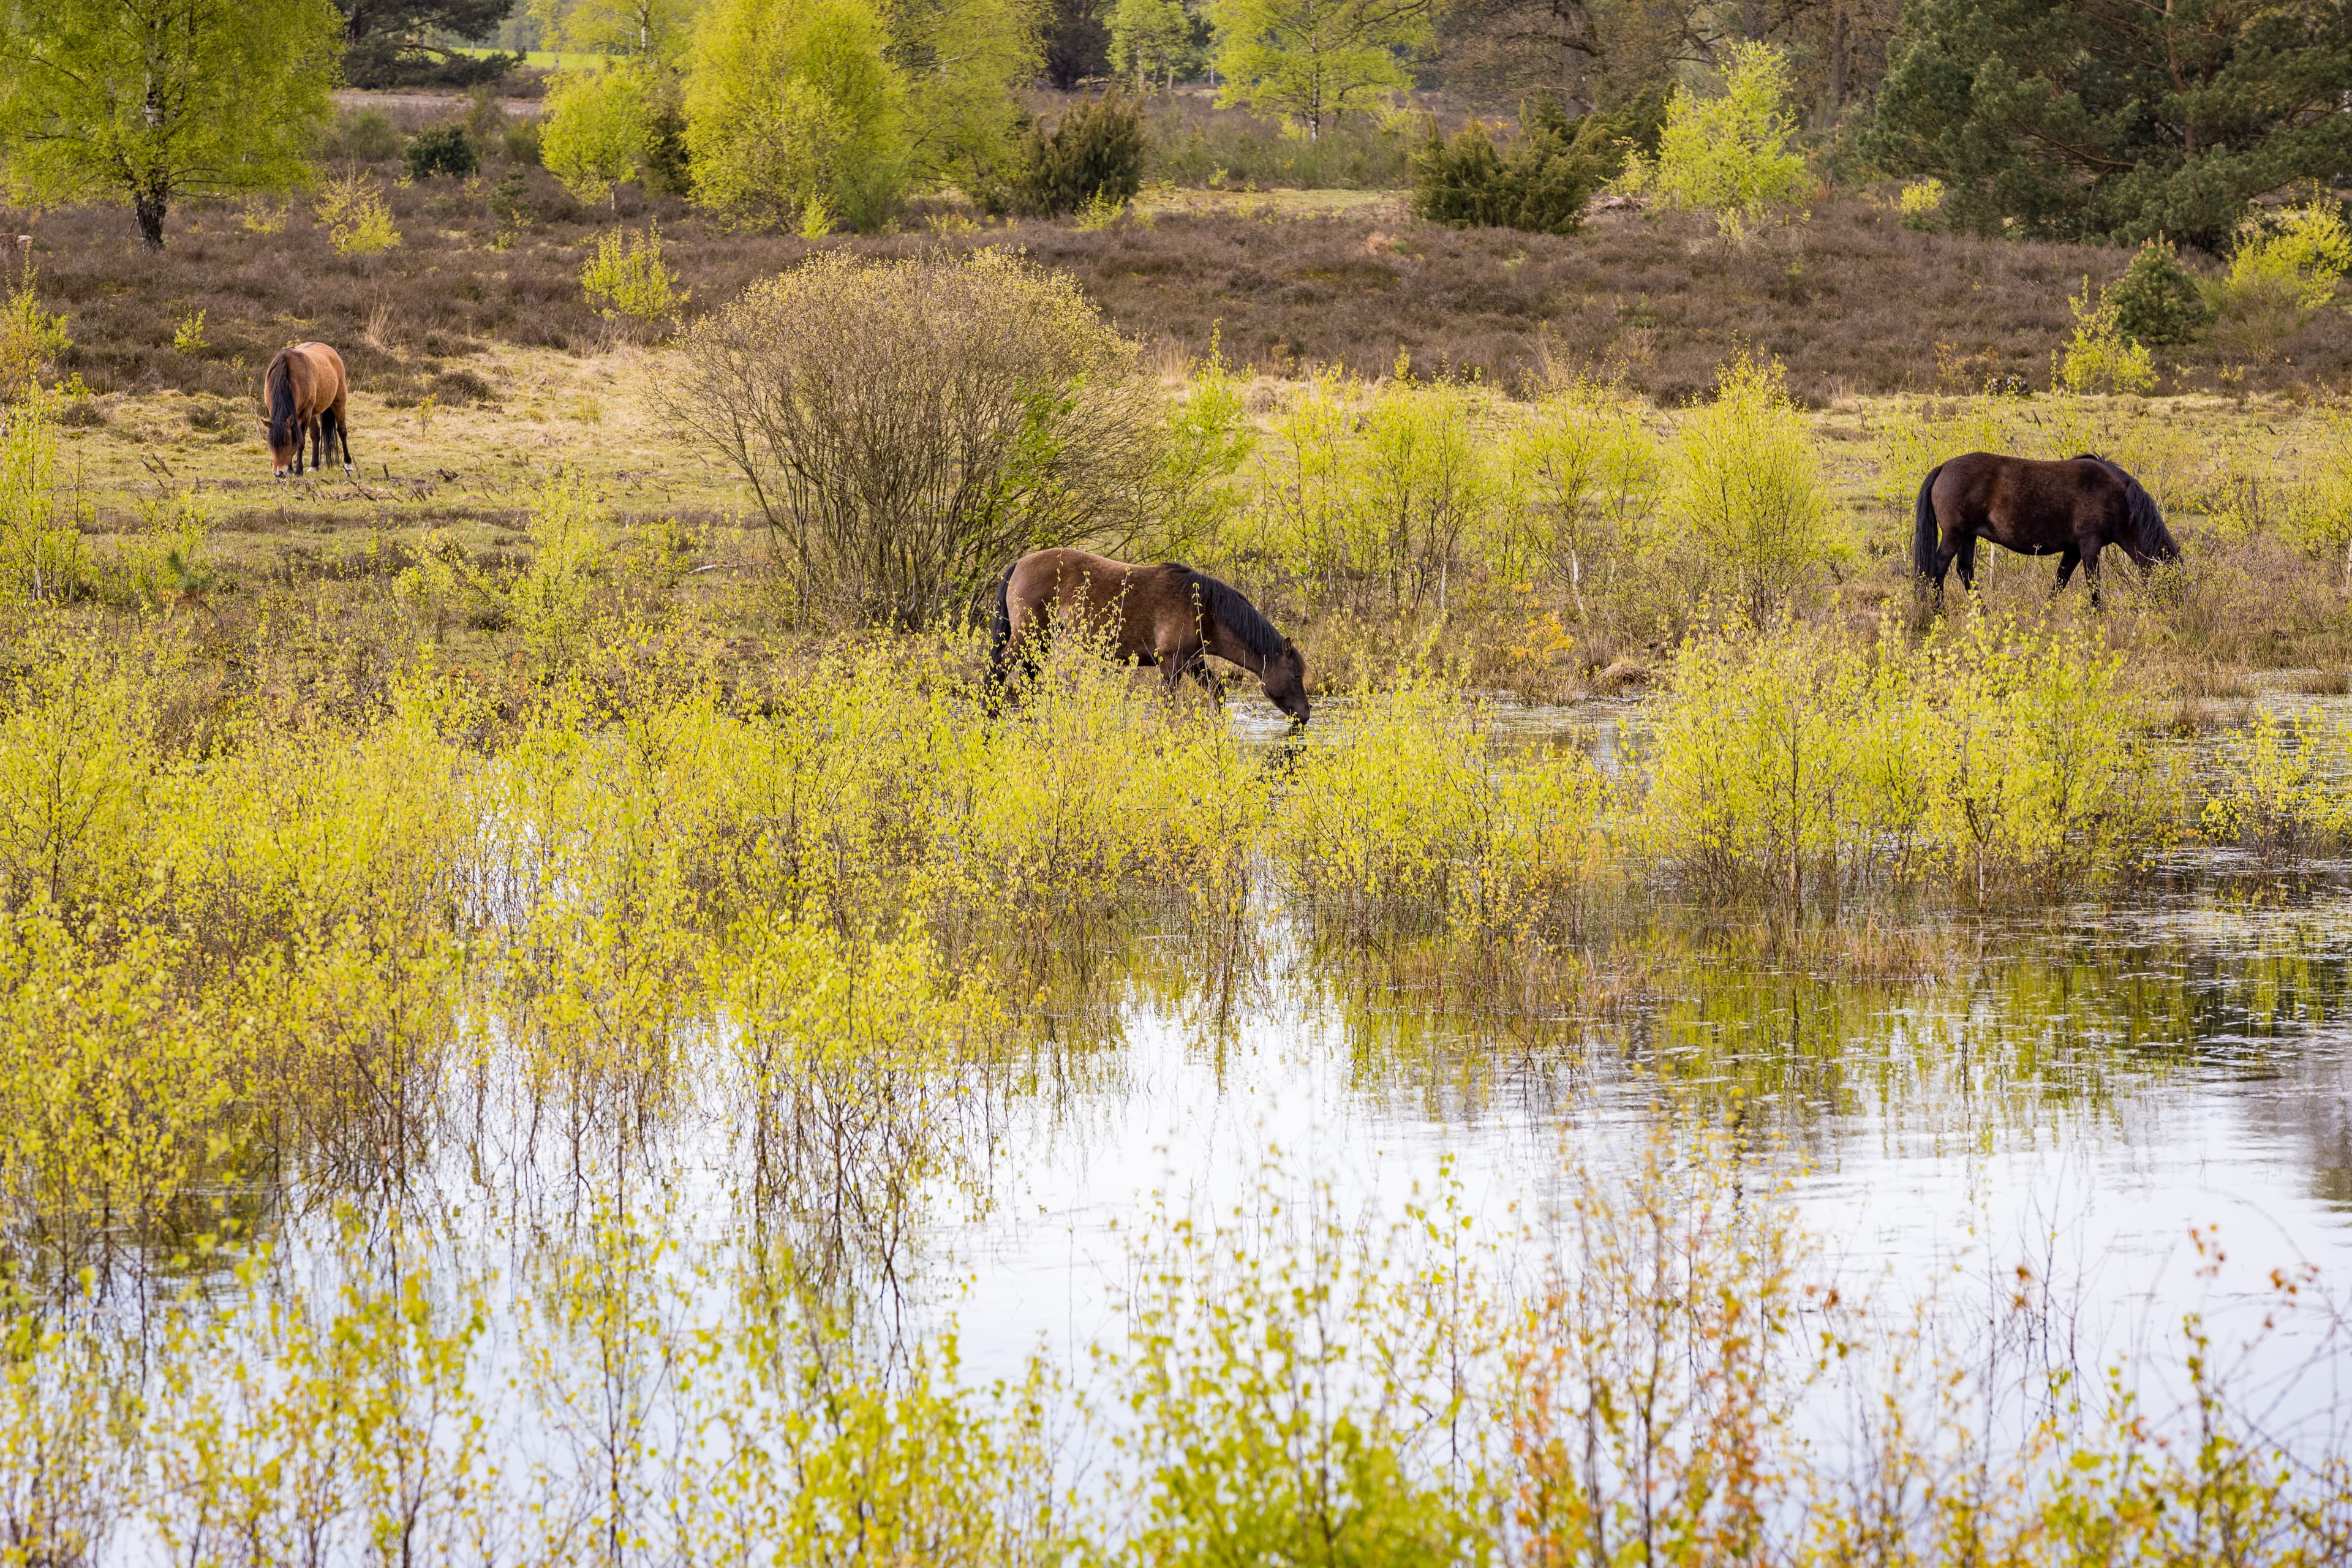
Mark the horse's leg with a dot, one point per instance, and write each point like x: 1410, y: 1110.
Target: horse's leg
x: 2066, y: 565
x: 1967, y: 557
x: 344, y: 428
x: 2091, y: 576
x: 1946, y: 552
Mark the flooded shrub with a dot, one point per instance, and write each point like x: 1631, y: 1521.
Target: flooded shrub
x: 1266, y: 1427
x: 128, y: 1095
x: 910, y: 427
x: 1408, y: 814
x: 1992, y: 758
x: 1651, y: 1370
x: 2285, y: 785
x: 67, y: 1437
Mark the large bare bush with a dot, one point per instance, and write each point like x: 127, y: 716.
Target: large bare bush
x: 910, y: 427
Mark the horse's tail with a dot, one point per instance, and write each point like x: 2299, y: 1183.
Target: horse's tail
x: 1923, y: 526
x: 1000, y: 643
x: 1000, y: 636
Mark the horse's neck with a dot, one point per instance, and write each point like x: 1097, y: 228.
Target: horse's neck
x: 1221, y: 641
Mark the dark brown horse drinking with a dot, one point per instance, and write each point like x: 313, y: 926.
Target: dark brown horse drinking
x: 304, y: 390
x: 1168, y: 616
x: 2072, y: 509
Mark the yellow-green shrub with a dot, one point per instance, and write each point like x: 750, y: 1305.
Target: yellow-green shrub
x: 127, y: 1093
x: 78, y: 762
x: 1408, y: 813
x: 1993, y: 756
x: 1745, y: 480
x: 2283, y: 785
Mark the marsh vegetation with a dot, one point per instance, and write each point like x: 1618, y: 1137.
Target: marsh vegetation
x: 544, y: 1017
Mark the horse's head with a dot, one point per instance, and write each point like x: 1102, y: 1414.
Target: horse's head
x: 284, y: 450
x: 2155, y: 542
x: 1285, y: 678
x: 285, y: 430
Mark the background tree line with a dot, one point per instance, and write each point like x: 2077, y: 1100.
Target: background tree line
x: 2104, y: 119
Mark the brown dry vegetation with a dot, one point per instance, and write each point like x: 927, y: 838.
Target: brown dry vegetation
x: 1850, y: 301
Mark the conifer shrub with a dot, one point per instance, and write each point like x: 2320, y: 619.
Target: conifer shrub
x: 442, y: 150
x: 1093, y: 156
x: 1540, y: 183
x: 2156, y: 300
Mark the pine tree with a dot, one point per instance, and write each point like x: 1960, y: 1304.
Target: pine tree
x: 2073, y: 119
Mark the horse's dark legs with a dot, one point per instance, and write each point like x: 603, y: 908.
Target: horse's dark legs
x: 319, y: 439
x: 2091, y: 576
x: 1945, y: 554
x: 2066, y: 565
x: 1966, y: 558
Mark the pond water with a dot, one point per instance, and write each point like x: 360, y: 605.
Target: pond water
x: 2146, y: 1102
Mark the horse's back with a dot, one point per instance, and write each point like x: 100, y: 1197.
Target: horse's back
x: 2033, y: 504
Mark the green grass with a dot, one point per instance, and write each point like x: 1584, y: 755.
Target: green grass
x: 545, y: 59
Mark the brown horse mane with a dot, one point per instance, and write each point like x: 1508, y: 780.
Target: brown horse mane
x: 1224, y: 603
x: 2140, y: 505
x: 278, y: 392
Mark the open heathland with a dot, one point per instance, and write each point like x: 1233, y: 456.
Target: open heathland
x: 1852, y: 301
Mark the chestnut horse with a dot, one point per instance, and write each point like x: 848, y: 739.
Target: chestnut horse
x: 304, y: 389
x: 2072, y: 509
x: 1168, y: 616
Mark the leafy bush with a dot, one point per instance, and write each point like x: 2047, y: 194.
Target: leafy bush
x: 2301, y: 251
x: 1748, y: 482
x: 31, y: 338
x: 592, y: 136
x: 362, y: 134
x: 795, y: 113
x: 442, y: 150
x: 1540, y: 183
x: 2285, y: 268
x: 2100, y: 358
x: 357, y: 222
x: 911, y: 427
x: 1094, y: 154
x: 2156, y: 300
x: 1920, y: 203
x: 1729, y: 154
x: 627, y: 277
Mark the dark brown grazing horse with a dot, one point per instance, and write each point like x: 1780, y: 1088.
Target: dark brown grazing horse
x: 304, y: 389
x: 1167, y: 615
x: 2072, y: 509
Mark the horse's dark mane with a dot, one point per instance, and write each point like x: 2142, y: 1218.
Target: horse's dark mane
x: 277, y: 391
x: 2141, y: 506
x: 1224, y: 603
